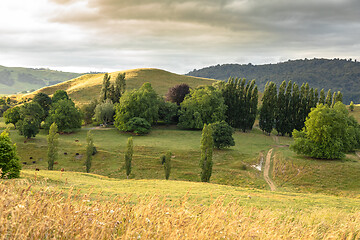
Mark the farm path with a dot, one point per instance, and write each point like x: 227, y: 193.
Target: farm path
x: 267, y: 169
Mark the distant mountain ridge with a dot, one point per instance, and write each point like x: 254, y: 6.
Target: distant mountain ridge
x: 336, y: 74
x: 17, y: 79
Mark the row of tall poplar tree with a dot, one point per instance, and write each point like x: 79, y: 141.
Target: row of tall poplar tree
x: 286, y: 109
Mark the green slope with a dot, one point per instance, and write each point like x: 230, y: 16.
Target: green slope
x: 17, y: 79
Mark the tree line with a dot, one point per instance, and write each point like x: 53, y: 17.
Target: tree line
x: 286, y: 108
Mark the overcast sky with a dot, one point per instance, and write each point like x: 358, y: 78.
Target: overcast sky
x: 178, y: 36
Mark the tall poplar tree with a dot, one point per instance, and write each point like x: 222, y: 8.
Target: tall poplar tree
x: 280, y: 112
x: 267, y: 112
x: 89, y: 151
x: 295, y: 103
x: 105, y: 88
x: 328, y: 99
x: 128, y: 156
x: 53, y: 142
x: 322, y: 97
x: 167, y: 165
x: 288, y: 128
x: 120, y: 87
x: 207, y: 145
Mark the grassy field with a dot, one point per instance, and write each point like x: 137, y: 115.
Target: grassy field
x: 67, y: 205
x: 87, y: 87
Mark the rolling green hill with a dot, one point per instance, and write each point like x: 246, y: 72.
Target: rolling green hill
x: 86, y: 87
x: 336, y: 74
x: 17, y: 79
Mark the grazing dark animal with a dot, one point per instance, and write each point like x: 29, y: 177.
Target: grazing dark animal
x: 34, y: 162
x: 55, y: 162
x: 63, y: 170
x: 76, y: 140
x: 25, y: 141
x: 65, y: 153
x: 30, y: 157
x: 24, y: 163
x: 77, y: 154
x: 37, y: 169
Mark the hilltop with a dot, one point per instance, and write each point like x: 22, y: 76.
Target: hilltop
x: 17, y: 79
x: 86, y: 87
x: 337, y: 74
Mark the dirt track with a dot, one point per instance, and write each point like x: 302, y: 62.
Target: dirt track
x: 266, y: 170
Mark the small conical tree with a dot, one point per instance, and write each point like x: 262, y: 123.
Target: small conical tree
x: 89, y: 151
x: 105, y: 88
x: 333, y: 101
x: 167, y: 165
x: 207, y: 145
x: 128, y: 156
x: 120, y: 87
x: 53, y: 142
x: 352, y: 106
x: 339, y: 97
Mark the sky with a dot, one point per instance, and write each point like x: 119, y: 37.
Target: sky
x: 178, y: 36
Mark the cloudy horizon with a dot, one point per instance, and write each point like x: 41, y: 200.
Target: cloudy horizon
x: 178, y: 36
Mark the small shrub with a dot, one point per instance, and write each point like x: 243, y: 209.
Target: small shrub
x: 138, y: 125
x: 222, y: 134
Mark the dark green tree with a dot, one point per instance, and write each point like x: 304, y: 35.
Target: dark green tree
x: 9, y: 160
x: 222, y: 134
x: 168, y: 112
x: 59, y: 95
x: 28, y: 127
x: 142, y: 103
x: 289, y: 110
x: 66, y: 116
x: 89, y: 151
x: 53, y: 142
x: 105, y: 88
x: 138, y: 125
x: 44, y: 101
x: 295, y: 103
x: 267, y: 112
x: 280, y: 111
x: 202, y: 105
x: 167, y: 165
x: 207, y: 145
x: 128, y: 156
x: 120, y: 87
x: 12, y: 115
x: 88, y: 111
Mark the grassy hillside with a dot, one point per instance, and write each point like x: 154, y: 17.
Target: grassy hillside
x: 76, y: 205
x: 336, y: 74
x: 16, y: 79
x: 86, y: 87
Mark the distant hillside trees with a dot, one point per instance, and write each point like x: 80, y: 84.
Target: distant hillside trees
x: 45, y: 102
x: 241, y: 99
x: 105, y: 88
x: 177, y: 93
x: 329, y: 133
x: 88, y: 111
x: 112, y: 91
x: 9, y: 160
x: 337, y: 74
x: 202, y: 105
x: 286, y: 109
x: 30, y: 119
x: 59, y: 95
x: 142, y: 103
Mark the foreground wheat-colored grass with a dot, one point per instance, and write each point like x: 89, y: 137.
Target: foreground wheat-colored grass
x: 41, y: 213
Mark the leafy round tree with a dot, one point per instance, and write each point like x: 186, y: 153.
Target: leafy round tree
x: 177, y: 93
x: 104, y: 112
x: 53, y: 142
x: 88, y: 111
x: 60, y: 95
x: 66, y: 116
x: 32, y: 111
x: 222, y: 135
x: 168, y: 112
x: 138, y: 126
x: 12, y: 115
x: 28, y: 127
x: 143, y: 103
x: 329, y: 133
x: 202, y: 105
x: 9, y: 161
